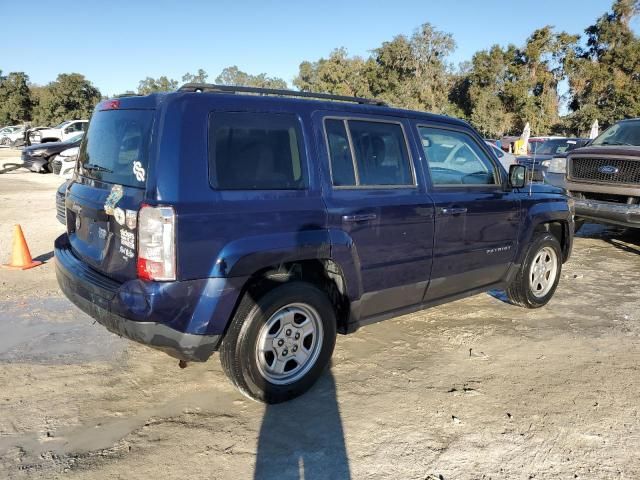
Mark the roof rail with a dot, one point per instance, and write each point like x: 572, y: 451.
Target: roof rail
x: 210, y: 87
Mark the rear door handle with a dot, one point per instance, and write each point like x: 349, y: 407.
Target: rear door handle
x: 453, y: 211
x: 359, y: 218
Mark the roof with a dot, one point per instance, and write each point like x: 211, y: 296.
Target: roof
x: 272, y: 99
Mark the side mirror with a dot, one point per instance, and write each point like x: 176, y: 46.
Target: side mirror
x: 517, y: 175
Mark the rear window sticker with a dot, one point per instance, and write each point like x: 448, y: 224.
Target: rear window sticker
x: 138, y: 171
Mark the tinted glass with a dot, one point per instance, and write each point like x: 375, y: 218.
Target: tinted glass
x: 117, y: 146
x: 255, y: 151
x: 381, y: 153
x: 341, y: 160
x: 455, y: 159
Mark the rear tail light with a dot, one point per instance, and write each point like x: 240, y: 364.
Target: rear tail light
x: 156, y: 243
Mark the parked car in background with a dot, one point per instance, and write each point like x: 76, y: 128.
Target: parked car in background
x: 604, y: 176
x: 506, y: 159
x: 6, y: 130
x: 36, y: 157
x: 9, y: 139
x: 544, y: 150
x: 372, y: 212
x: 63, y: 131
x: 64, y: 163
x: 35, y: 134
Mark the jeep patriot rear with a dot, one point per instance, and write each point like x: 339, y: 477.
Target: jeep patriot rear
x: 260, y: 225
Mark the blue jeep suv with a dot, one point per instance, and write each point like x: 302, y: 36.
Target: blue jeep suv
x: 262, y: 222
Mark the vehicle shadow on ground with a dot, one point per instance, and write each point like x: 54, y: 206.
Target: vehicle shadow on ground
x: 625, y: 239
x: 10, y: 167
x: 303, y: 438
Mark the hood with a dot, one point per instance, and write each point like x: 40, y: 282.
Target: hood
x: 622, y: 150
x: 52, y: 147
x: 538, y: 187
x: 526, y: 159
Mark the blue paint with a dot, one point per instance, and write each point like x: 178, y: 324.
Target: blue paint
x: 404, y: 253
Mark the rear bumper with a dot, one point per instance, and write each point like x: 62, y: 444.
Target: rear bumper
x: 166, y: 316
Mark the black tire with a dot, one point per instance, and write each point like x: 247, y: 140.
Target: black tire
x: 238, y: 354
x: 520, y: 292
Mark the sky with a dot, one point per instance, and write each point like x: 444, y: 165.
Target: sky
x: 117, y: 43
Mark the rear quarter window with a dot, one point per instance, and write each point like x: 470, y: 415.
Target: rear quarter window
x: 256, y: 151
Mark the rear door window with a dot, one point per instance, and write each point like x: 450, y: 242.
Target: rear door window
x: 116, y: 148
x: 380, y: 151
x: 256, y: 151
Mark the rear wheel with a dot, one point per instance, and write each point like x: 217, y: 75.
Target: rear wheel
x: 538, y: 278
x: 279, y: 344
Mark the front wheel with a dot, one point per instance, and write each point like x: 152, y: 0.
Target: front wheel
x: 279, y: 344
x: 538, y: 277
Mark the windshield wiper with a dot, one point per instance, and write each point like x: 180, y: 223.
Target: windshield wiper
x: 97, y: 168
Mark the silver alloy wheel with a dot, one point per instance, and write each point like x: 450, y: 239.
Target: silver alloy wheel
x: 543, y: 271
x: 289, y: 343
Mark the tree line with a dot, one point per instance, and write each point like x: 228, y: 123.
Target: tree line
x: 595, y: 76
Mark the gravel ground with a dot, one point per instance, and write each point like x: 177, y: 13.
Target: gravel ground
x: 476, y: 389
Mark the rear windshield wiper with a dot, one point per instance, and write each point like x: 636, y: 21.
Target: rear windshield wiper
x: 97, y: 168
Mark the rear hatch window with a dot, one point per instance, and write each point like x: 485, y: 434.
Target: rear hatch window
x: 116, y: 149
x: 102, y: 206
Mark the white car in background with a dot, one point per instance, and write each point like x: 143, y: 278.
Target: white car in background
x: 8, y: 138
x: 64, y: 163
x: 64, y: 131
x: 506, y: 159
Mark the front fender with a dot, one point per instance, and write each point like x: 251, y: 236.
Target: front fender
x: 541, y: 212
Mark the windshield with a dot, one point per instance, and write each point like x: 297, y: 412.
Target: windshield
x: 63, y: 124
x: 552, y: 147
x: 116, y: 147
x: 623, y: 133
x: 75, y: 138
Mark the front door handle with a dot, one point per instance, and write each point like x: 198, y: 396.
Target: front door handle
x: 453, y: 211
x: 364, y: 217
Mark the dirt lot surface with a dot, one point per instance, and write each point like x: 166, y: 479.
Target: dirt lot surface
x: 477, y: 389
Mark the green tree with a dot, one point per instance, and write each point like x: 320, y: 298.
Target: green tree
x: 200, y: 77
x: 604, y: 73
x: 414, y: 72
x: 339, y: 75
x: 234, y: 76
x: 15, y: 98
x: 70, y: 96
x: 503, y: 88
x: 154, y: 85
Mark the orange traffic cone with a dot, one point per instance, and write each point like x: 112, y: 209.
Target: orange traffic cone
x: 20, y: 255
